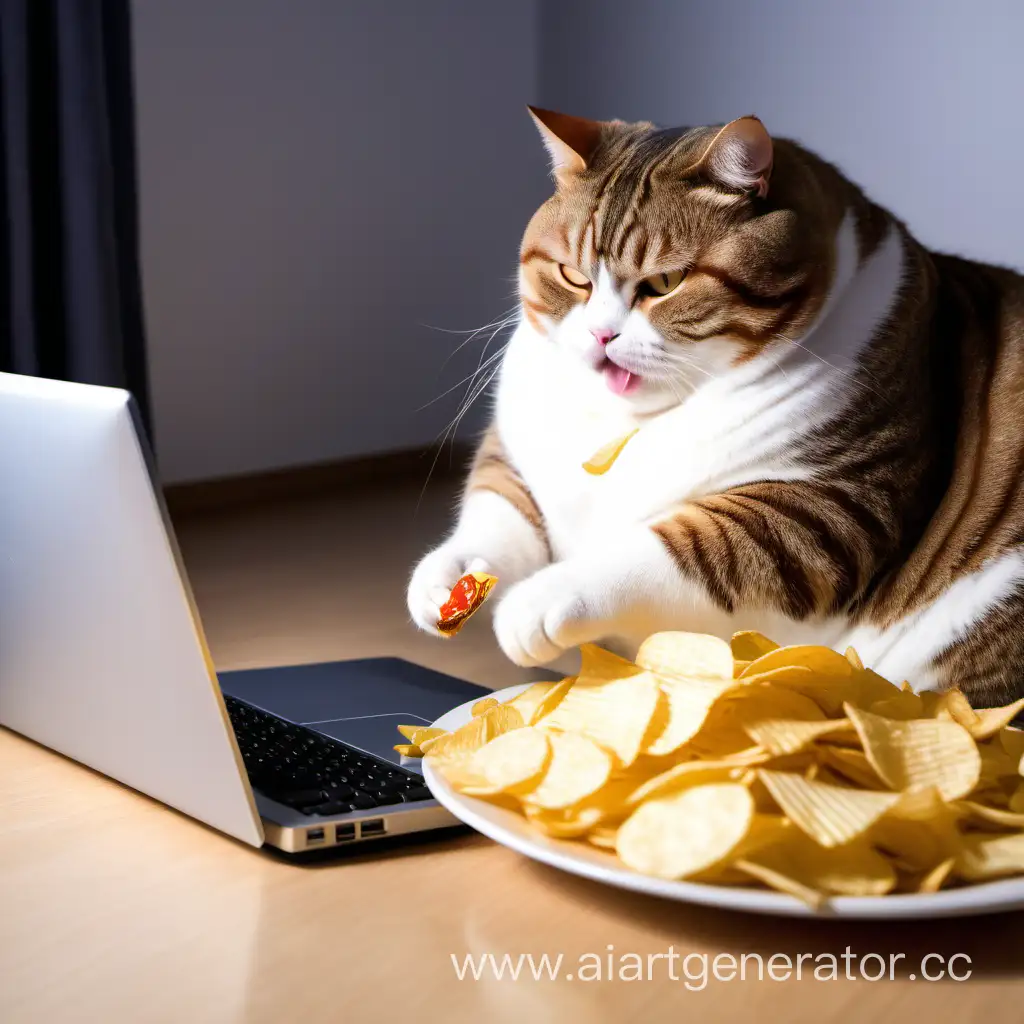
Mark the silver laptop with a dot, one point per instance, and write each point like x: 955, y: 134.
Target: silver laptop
x: 102, y: 655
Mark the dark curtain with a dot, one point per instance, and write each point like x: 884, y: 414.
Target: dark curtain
x: 70, y: 296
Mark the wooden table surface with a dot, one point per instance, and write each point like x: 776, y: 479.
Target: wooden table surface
x: 115, y: 909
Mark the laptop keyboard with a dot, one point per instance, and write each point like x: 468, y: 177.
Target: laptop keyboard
x: 313, y: 773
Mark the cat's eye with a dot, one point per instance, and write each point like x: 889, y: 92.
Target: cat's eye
x: 662, y: 284
x: 573, y: 277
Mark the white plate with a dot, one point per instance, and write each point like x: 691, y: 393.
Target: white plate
x: 579, y: 858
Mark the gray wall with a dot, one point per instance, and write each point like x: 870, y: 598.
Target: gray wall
x: 319, y: 179
x: 919, y: 101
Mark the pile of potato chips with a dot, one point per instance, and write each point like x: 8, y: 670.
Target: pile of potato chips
x: 795, y: 768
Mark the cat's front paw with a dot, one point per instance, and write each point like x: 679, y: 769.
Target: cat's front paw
x: 544, y: 616
x: 433, y: 579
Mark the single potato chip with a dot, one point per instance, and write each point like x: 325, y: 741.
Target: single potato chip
x: 935, y: 879
x: 950, y: 704
x: 781, y: 882
x: 913, y: 846
x: 853, y: 765
x: 483, y: 705
x: 600, y: 666
x: 986, y: 856
x: 854, y: 659
x: 996, y: 764
x: 688, y: 774
x: 687, y: 655
x: 426, y: 744
x: 419, y: 734
x: 476, y: 732
x: 831, y: 815
x: 462, y: 774
x: 615, y: 715
x: 408, y: 749
x: 1012, y: 741
x: 569, y: 823
x: 854, y: 869
x: 538, y: 699
x: 992, y: 815
x: 989, y: 721
x: 468, y: 594
x: 679, y: 836
x: 604, y: 458
x: 1016, y: 803
x: 919, y: 832
x: 822, y: 661
x: 727, y: 728
x: 756, y: 701
x: 748, y: 645
x: 829, y: 693
x: 603, y: 836
x: 830, y: 678
x: 724, y: 732
x: 789, y: 736
x: 688, y: 702
x: 603, y: 809
x: 902, y: 706
x: 514, y: 762
x: 919, y: 753
x: 577, y: 768
x: 550, y: 700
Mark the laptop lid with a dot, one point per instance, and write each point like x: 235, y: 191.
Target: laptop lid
x: 102, y: 655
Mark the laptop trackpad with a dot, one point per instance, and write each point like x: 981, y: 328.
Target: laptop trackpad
x: 376, y: 734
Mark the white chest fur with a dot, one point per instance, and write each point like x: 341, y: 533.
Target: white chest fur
x: 742, y: 425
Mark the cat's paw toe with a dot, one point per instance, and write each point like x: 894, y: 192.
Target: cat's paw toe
x: 431, y: 584
x: 540, y: 618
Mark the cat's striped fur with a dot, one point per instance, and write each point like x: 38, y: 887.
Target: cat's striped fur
x: 882, y: 501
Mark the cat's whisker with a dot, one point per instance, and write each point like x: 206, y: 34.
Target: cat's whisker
x: 488, y: 367
x: 481, y: 389
x: 509, y: 317
x: 852, y: 378
x: 493, y: 335
x: 468, y: 377
x: 677, y: 359
x: 473, y: 393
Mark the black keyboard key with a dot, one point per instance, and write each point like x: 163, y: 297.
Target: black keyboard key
x: 340, y: 791
x: 297, y: 778
x: 362, y: 802
x: 299, y: 797
x: 331, y: 808
x: 383, y: 799
x: 417, y: 793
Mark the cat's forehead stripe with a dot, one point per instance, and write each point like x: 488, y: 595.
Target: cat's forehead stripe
x: 633, y: 182
x: 612, y: 217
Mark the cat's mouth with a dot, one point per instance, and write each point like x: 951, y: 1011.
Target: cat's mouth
x: 619, y: 380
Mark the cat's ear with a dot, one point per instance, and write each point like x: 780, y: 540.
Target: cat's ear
x: 740, y: 156
x: 570, y: 141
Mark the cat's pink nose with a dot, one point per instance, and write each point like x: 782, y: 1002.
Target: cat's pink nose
x: 603, y: 335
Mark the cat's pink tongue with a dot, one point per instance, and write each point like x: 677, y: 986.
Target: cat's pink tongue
x: 619, y: 381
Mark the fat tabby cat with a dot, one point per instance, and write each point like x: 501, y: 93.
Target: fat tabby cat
x: 830, y: 418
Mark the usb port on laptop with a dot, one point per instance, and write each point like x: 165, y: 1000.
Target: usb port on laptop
x: 373, y: 827
x: 344, y: 833
x: 314, y: 835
